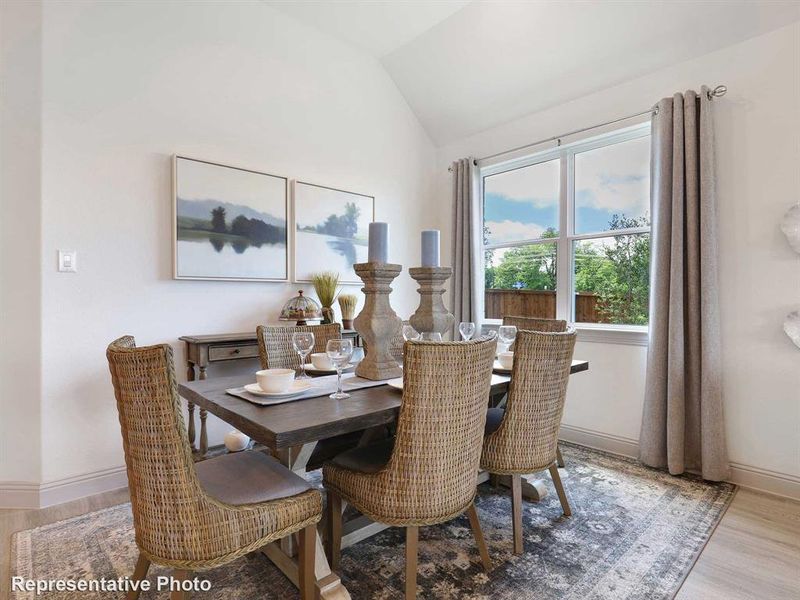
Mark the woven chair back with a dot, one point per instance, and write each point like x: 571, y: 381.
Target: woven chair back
x: 275, y: 347
x: 534, y: 324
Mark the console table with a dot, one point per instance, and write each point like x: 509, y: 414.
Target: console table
x: 202, y: 350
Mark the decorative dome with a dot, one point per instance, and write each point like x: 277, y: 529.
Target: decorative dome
x: 301, y: 309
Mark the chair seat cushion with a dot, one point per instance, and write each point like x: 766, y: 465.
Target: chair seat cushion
x: 366, y: 459
x: 494, y: 416
x: 248, y: 477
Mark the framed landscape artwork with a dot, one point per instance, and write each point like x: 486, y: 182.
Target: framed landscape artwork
x: 330, y: 231
x: 230, y: 223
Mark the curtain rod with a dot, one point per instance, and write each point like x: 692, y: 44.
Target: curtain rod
x: 717, y: 92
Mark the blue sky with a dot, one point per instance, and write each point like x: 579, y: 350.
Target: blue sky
x: 522, y: 203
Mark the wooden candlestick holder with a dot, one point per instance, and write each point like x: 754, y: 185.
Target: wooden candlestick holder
x: 431, y: 315
x: 377, y: 323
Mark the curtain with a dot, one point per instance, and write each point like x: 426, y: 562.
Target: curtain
x: 466, y: 289
x: 682, y: 423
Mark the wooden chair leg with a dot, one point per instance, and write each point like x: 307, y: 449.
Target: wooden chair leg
x: 475, y: 524
x: 516, y: 511
x: 562, y: 496
x: 412, y: 539
x: 559, y: 458
x: 306, y: 559
x: 334, y: 519
x: 179, y: 576
x: 139, y: 574
x: 494, y: 480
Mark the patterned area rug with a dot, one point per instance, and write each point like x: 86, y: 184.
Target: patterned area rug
x: 635, y: 533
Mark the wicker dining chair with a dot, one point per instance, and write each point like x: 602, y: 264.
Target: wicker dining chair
x: 275, y: 347
x: 523, y: 437
x: 195, y: 517
x: 547, y: 326
x: 427, y: 474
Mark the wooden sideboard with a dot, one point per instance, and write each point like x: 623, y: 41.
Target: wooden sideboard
x: 203, y: 350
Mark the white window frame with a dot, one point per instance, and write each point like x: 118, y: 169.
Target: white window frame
x: 565, y: 278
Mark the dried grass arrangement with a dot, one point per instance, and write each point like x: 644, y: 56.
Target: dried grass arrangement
x: 347, y: 304
x: 325, y: 285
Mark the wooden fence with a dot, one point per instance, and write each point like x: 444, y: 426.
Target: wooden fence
x: 540, y: 304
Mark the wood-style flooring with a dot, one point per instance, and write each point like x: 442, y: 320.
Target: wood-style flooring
x: 753, y: 554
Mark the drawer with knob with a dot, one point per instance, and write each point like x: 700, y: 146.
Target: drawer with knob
x: 232, y: 352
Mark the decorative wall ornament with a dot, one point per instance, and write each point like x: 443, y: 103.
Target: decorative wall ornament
x: 230, y: 223
x: 330, y: 230
x: 790, y: 225
x: 792, y: 327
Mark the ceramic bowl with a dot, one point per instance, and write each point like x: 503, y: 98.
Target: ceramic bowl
x: 321, y: 361
x: 506, y: 359
x: 275, y: 380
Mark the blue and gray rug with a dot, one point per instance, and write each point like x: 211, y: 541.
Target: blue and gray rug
x: 634, y: 534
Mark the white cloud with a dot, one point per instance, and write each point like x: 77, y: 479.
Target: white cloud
x: 537, y: 184
x: 511, y: 231
x: 615, y: 178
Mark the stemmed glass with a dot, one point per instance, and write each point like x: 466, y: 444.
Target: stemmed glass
x: 410, y: 334
x: 506, y: 334
x: 340, y: 352
x: 303, y: 342
x: 467, y: 330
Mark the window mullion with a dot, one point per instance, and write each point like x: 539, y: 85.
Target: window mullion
x: 563, y: 258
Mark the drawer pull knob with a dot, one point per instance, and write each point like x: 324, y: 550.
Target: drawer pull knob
x: 237, y: 351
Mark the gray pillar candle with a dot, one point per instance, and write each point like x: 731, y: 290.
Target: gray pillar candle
x: 430, y: 247
x: 378, y: 243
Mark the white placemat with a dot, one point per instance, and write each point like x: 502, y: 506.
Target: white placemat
x: 320, y: 386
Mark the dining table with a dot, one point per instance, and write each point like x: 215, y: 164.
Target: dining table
x: 291, y: 431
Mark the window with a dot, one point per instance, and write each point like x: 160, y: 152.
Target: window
x: 567, y: 232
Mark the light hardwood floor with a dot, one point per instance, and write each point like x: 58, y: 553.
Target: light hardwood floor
x: 753, y: 554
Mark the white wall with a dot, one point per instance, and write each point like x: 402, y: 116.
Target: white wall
x: 20, y: 245
x: 758, y: 128
x: 126, y: 85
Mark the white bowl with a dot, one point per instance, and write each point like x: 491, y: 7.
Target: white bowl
x: 321, y: 361
x: 506, y: 359
x: 275, y: 380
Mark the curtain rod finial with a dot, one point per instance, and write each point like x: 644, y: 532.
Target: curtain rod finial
x: 717, y: 92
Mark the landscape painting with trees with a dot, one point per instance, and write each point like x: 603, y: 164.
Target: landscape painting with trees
x: 230, y: 223
x: 331, y: 228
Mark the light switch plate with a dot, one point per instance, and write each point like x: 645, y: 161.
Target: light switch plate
x: 67, y: 261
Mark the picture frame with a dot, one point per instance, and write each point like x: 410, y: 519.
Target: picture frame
x: 229, y: 223
x: 330, y: 228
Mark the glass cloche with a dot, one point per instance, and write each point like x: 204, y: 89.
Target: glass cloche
x: 301, y: 309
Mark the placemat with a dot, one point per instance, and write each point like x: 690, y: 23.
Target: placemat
x: 320, y: 386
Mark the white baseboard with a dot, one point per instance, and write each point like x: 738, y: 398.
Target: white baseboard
x: 600, y: 441
x: 19, y: 494
x: 746, y: 476
x: 33, y: 495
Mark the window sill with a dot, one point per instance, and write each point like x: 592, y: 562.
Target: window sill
x: 629, y: 335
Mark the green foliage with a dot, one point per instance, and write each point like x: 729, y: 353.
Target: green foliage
x: 257, y: 231
x: 618, y: 273
x: 218, y: 220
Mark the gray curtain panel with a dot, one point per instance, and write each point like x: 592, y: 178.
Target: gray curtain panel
x: 465, y: 289
x: 682, y: 423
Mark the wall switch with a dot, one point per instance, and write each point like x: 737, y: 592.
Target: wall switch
x: 67, y: 261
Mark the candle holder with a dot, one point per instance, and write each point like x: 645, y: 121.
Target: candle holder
x: 431, y: 315
x: 377, y: 323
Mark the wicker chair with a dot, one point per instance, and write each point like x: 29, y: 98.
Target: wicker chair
x: 275, y: 343
x: 397, y: 342
x: 194, y: 518
x: 523, y: 437
x: 427, y: 475
x: 547, y: 326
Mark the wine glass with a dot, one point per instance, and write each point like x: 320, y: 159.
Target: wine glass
x: 340, y: 352
x: 467, y: 330
x: 410, y: 334
x: 303, y: 342
x: 431, y: 336
x: 506, y: 334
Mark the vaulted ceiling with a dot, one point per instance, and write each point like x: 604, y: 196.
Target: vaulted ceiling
x: 467, y: 66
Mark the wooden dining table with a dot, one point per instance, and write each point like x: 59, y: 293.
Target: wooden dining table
x: 292, y: 430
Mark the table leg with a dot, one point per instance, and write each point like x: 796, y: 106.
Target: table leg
x: 329, y: 586
x: 203, y: 417
x: 190, y: 374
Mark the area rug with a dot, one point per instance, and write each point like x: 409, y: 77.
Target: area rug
x: 635, y: 534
